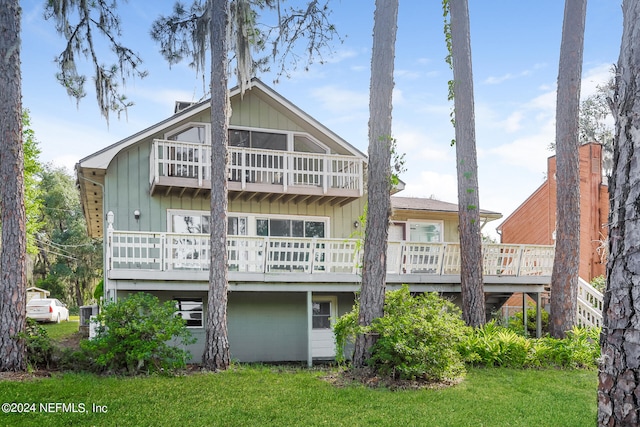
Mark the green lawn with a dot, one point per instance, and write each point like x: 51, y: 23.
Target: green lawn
x: 61, y: 330
x: 257, y: 395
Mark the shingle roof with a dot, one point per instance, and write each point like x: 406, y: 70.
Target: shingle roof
x: 424, y: 204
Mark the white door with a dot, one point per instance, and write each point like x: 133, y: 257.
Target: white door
x: 323, y: 343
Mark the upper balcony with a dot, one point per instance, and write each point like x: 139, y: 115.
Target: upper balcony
x: 185, y: 168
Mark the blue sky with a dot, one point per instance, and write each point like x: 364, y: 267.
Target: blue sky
x: 515, y: 52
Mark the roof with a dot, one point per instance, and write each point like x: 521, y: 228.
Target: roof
x: 91, y: 170
x: 433, y: 205
x: 102, y: 158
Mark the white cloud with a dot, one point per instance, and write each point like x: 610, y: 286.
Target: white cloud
x: 339, y: 100
x: 529, y: 152
x: 497, y: 80
x: 513, y: 122
x: 433, y: 184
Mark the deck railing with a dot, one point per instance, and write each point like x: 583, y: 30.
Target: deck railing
x: 250, y: 165
x: 174, y: 251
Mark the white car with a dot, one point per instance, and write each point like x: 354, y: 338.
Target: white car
x: 47, y: 310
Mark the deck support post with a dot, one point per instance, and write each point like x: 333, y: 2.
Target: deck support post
x: 309, y: 328
x: 538, y: 314
x: 524, y: 313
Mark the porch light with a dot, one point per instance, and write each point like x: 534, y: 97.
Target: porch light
x: 110, y: 220
x: 136, y: 214
x: 356, y: 224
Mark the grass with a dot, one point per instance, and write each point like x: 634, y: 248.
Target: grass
x: 272, y: 396
x: 61, y: 330
x: 249, y: 395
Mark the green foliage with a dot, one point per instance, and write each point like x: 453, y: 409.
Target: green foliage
x: 69, y: 262
x: 134, y: 336
x: 345, y: 330
x: 599, y: 282
x: 515, y: 322
x: 493, y: 345
x: 417, y: 337
x: 99, y: 291
x: 39, y: 345
x: 32, y: 168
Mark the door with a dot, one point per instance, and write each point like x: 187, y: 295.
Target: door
x: 323, y: 344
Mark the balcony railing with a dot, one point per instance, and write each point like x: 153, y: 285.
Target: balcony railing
x: 256, y: 166
x: 173, y: 251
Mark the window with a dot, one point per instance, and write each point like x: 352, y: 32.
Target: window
x: 183, y: 159
x: 321, y: 317
x: 190, y: 224
x: 190, y: 309
x: 198, y: 223
x: 278, y: 227
x: 237, y: 226
x: 193, y: 133
x: 256, y: 139
x: 304, y: 144
x: 426, y: 232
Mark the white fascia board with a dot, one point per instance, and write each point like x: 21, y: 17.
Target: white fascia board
x: 102, y: 158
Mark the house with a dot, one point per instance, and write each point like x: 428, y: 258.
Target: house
x: 534, y: 221
x: 296, y: 192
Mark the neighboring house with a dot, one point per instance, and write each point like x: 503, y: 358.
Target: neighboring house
x: 296, y: 192
x: 534, y: 221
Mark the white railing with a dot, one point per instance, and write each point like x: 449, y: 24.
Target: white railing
x: 590, y: 303
x: 174, y: 251
x: 250, y: 165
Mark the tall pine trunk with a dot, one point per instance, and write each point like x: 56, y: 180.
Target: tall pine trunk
x: 564, y: 278
x: 216, y: 353
x: 619, y: 382
x: 13, y: 277
x: 472, y: 287
x: 374, y: 271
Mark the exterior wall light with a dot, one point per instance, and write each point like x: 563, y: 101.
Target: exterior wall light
x: 136, y: 214
x: 110, y: 220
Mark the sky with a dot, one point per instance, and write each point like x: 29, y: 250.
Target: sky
x: 515, y: 52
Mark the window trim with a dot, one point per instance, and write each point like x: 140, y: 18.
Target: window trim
x: 191, y: 299
x: 176, y: 130
x: 440, y: 223
x: 288, y: 133
x: 251, y: 219
x: 333, y: 316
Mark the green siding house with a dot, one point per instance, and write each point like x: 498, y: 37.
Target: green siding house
x: 296, y: 192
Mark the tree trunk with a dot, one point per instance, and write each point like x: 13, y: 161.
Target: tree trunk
x: 564, y: 278
x: 216, y: 353
x: 619, y: 383
x: 472, y: 287
x: 374, y: 272
x: 13, y: 277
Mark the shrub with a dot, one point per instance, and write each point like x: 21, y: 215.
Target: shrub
x: 39, y: 345
x: 417, y: 337
x: 515, y: 322
x: 135, y: 336
x: 493, y: 345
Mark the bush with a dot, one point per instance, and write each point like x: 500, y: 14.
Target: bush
x: 493, y: 345
x: 417, y: 337
x: 39, y: 345
x: 515, y: 322
x: 134, y: 336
